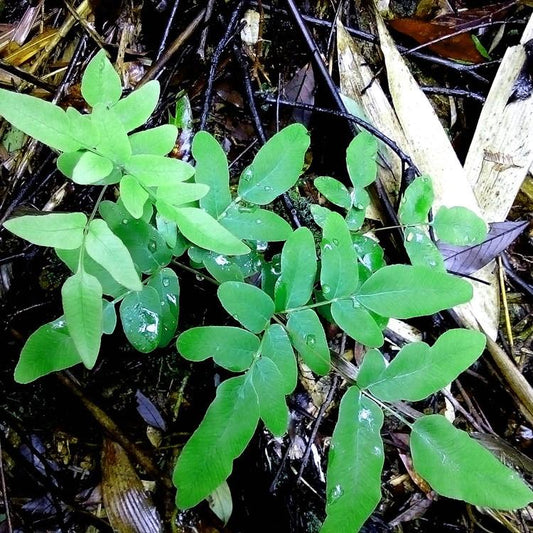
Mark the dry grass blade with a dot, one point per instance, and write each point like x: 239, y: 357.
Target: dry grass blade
x: 501, y: 151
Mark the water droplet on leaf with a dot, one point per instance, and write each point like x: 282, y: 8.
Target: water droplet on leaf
x: 335, y: 493
x: 326, y: 289
x: 165, y: 282
x: 310, y: 340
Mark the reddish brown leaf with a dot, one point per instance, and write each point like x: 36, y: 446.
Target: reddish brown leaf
x: 459, y: 47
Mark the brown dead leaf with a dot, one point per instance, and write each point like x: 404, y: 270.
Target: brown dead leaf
x: 460, y: 47
x: 128, y: 507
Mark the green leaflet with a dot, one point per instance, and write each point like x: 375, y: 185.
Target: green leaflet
x: 298, y: 270
x: 308, y: 337
x: 459, y: 226
x: 166, y: 283
x: 140, y: 313
x: 207, y: 458
x: 231, y: 348
x: 361, y: 159
x: 133, y: 196
x: 212, y: 170
x: 416, y: 201
x: 371, y: 369
x: 156, y: 170
x: 276, y: 167
x: 247, y: 304
x: 419, y: 370
x: 320, y: 214
x: 109, y: 318
x: 100, y: 83
x: 48, y: 349
x: 145, y: 244
x: 268, y: 384
x: 41, y: 120
x: 91, y: 168
x: 181, y: 193
x: 357, y: 322
x: 458, y: 467
x: 255, y: 224
x: 369, y: 252
x: 113, y: 141
x: 339, y: 272
x: 57, y: 230
x: 403, y: 291
x: 334, y: 191
x: 134, y: 110
x: 155, y: 141
x: 203, y: 230
x: 111, y: 253
x: 421, y: 249
x: 82, y: 304
x: 276, y: 345
x: 355, y: 462
x: 67, y: 162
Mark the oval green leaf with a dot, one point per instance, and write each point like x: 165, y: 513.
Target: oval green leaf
x: 212, y: 170
x: 48, y: 349
x: 361, y: 159
x: 418, y: 370
x: 207, y: 458
x: 459, y: 226
x: 255, y: 224
x: 133, y: 196
x: 357, y: 322
x: 231, y: 348
x: 166, y: 283
x: 155, y: 170
x: 458, y: 467
x: 403, y: 291
x: 416, y: 201
x: 298, y: 270
x: 276, y: 167
x: 155, y: 141
x: 203, y: 230
x: 339, y: 273
x: 100, y: 83
x: 39, y: 119
x: 308, y: 337
x: 334, y: 191
x: 247, y: 304
x: 111, y: 253
x: 276, y: 345
x: 82, y: 303
x: 134, y: 110
x: 355, y: 462
x: 268, y: 384
x: 91, y: 168
x: 140, y: 313
x: 57, y: 230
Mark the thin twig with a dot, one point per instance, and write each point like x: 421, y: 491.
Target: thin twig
x: 215, y: 59
x: 166, y: 31
x: 184, y: 36
x: 4, y: 490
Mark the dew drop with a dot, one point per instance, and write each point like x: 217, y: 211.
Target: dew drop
x: 409, y: 237
x: 326, y: 289
x: 335, y: 493
x: 335, y: 242
x: 152, y: 246
x: 199, y: 277
x: 310, y: 340
x: 125, y: 221
x: 245, y: 209
x: 328, y: 247
x: 166, y: 282
x: 267, y: 188
x: 247, y: 175
x: 258, y: 221
x: 261, y: 246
